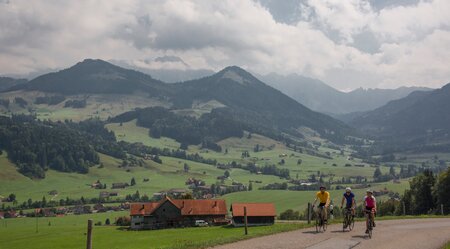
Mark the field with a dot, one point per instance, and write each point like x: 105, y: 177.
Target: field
x: 170, y: 173
x: 69, y: 232
x: 97, y: 106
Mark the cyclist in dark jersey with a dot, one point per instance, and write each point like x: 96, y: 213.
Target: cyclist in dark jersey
x: 349, y: 199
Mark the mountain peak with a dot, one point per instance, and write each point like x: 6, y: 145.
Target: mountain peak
x: 93, y: 63
x: 236, y: 74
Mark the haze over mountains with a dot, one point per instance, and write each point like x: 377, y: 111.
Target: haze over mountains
x: 321, y: 97
x: 313, y: 93
x: 411, y: 114
x: 255, y: 105
x: 421, y: 118
x: 8, y: 82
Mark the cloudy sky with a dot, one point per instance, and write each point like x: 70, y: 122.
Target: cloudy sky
x: 346, y: 43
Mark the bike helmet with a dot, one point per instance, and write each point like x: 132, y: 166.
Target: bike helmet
x: 369, y: 191
x: 348, y: 189
x: 322, y: 187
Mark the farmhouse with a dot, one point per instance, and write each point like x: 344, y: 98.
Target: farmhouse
x: 258, y: 214
x: 106, y: 194
x: 120, y: 185
x: 169, y: 213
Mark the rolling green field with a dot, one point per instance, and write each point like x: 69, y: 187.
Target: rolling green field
x: 170, y: 173
x: 69, y: 232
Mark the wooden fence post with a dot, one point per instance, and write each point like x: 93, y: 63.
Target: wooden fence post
x: 404, y: 208
x: 245, y: 220
x: 442, y: 209
x: 309, y: 213
x: 89, y: 235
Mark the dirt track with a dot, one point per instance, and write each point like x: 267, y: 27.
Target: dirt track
x: 411, y: 234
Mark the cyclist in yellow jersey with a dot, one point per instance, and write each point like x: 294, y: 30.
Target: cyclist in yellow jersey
x: 324, y: 201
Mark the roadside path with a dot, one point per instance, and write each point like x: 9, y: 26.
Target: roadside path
x: 408, y: 233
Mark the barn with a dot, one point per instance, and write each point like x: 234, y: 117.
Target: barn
x: 258, y: 214
x: 170, y: 213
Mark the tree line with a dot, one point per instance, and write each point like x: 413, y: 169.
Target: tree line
x: 36, y: 146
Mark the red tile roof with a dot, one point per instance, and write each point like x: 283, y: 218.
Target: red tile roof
x: 187, y: 207
x: 201, y: 207
x: 253, y: 209
x: 142, y: 208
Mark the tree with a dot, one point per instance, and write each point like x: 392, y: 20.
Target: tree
x: 442, y: 190
x: 11, y: 197
x: 282, y: 162
x: 226, y: 173
x: 377, y: 173
x: 44, y: 202
x: 392, y: 171
x: 132, y: 182
x: 136, y: 196
x: 186, y: 167
x: 156, y: 159
x: 299, y: 161
x: 250, y: 186
x: 289, y: 215
x: 256, y: 148
x: 107, y: 221
x: 421, y: 186
x: 184, y: 146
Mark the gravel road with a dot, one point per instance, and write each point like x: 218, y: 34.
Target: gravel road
x: 408, y: 233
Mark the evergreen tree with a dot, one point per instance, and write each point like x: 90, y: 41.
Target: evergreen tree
x: 392, y: 171
x: 442, y: 190
x: 421, y: 188
x: 132, y: 182
x: 377, y: 173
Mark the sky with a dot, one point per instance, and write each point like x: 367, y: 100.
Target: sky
x: 345, y: 43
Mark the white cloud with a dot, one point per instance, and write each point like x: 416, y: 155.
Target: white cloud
x: 413, y: 40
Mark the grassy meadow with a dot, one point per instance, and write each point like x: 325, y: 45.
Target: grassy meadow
x: 69, y: 232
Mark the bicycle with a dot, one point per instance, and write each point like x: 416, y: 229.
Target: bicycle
x: 369, y: 223
x: 349, y: 220
x: 320, y: 221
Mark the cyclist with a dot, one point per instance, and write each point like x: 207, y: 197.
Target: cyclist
x: 370, y: 204
x: 324, y: 201
x: 349, y: 197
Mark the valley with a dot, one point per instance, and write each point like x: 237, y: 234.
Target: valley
x: 238, y: 138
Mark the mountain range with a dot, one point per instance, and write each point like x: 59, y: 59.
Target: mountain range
x: 257, y: 106
x: 420, y: 119
x: 321, y: 97
x: 7, y: 82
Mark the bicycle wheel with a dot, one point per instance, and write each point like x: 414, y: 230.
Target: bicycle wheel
x: 351, y: 224
x: 317, y: 225
x: 369, y: 227
x: 345, y: 222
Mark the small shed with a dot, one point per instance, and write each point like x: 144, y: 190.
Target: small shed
x: 258, y: 214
